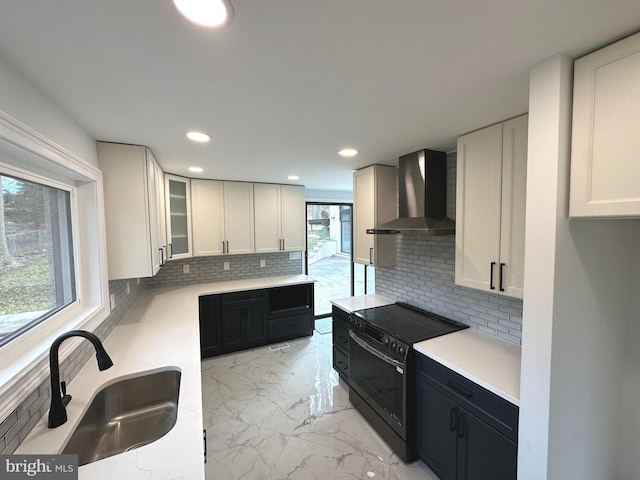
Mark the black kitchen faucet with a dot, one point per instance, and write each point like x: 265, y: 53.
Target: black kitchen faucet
x: 57, y: 411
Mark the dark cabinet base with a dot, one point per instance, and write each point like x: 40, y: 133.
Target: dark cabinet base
x: 230, y: 322
x: 464, y: 432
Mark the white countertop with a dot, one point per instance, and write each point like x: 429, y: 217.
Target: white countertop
x: 488, y: 361
x: 360, y: 302
x: 161, y: 330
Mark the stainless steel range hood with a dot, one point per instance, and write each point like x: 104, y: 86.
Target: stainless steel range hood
x: 422, y: 192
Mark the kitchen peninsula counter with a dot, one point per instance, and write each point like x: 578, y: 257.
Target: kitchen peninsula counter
x: 159, y: 332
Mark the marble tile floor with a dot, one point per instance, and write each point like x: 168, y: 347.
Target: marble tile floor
x: 282, y: 414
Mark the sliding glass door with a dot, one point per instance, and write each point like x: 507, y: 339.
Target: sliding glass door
x: 329, y: 252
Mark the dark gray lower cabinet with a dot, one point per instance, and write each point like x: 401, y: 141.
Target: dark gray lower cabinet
x: 463, y: 430
x: 243, y: 318
x: 236, y: 321
x: 340, y: 336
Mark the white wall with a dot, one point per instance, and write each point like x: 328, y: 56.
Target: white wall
x: 328, y: 196
x: 579, y: 279
x: 35, y: 110
x: 629, y: 423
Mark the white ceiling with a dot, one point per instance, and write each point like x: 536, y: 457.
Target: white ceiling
x: 291, y: 82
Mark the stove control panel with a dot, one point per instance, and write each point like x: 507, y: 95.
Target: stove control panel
x: 381, y: 340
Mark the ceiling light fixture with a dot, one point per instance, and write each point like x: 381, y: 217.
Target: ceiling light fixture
x: 348, y: 152
x: 206, y: 13
x: 198, y: 136
x: 293, y: 177
x: 196, y: 169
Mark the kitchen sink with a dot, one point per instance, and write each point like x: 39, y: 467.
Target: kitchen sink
x: 125, y: 415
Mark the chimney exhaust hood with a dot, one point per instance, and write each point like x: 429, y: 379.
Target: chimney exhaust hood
x: 422, y: 192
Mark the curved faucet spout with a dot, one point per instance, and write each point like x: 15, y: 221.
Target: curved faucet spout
x: 57, y: 411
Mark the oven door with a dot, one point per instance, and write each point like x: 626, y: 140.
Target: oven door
x: 380, y: 380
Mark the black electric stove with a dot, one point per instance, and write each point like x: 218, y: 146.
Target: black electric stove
x: 381, y: 367
x: 407, y: 323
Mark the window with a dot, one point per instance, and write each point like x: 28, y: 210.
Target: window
x: 36, y: 254
x: 63, y: 195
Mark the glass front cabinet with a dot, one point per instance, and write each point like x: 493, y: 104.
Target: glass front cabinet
x: 178, y: 210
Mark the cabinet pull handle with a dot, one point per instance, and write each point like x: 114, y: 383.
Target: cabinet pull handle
x: 343, y: 365
x: 204, y: 438
x: 171, y: 250
x: 491, y: 285
x: 462, y: 425
x: 371, y: 256
x: 161, y: 256
x: 501, y: 276
x: 453, y: 419
x: 283, y: 244
x: 462, y: 391
x: 227, y: 246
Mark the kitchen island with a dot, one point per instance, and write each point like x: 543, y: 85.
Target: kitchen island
x: 159, y: 332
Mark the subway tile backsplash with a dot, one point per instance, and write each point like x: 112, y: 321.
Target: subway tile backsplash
x: 211, y: 269
x: 19, y: 423
x: 424, y: 276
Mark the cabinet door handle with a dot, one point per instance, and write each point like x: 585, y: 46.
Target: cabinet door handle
x: 204, y: 438
x: 223, y: 249
x: 501, y: 276
x: 171, y: 250
x: 371, y: 256
x: 453, y: 419
x: 283, y: 244
x: 458, y: 389
x: 491, y: 285
x: 165, y: 254
x: 161, y: 256
x: 462, y: 425
x: 227, y: 246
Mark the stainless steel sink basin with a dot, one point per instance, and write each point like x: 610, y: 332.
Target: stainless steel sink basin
x: 126, y: 415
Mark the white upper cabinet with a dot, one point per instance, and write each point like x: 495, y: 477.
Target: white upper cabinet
x: 178, y: 221
x: 490, y: 208
x: 134, y: 210
x: 374, y: 203
x: 222, y: 217
x: 605, y: 164
x: 279, y: 218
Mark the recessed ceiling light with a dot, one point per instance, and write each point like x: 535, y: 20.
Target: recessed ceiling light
x: 206, y: 13
x: 348, y: 152
x: 293, y: 177
x: 196, y: 169
x: 198, y: 136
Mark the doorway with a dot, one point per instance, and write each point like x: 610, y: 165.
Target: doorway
x: 329, y: 247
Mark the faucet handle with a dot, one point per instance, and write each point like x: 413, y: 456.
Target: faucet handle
x: 65, y: 398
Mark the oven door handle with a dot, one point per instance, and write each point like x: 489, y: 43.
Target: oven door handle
x: 376, y: 353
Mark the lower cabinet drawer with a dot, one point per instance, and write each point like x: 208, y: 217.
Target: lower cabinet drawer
x: 341, y: 363
x: 290, y: 327
x: 340, y: 336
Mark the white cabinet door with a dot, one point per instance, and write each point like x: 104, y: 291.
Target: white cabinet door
x: 605, y: 169
x: 478, y: 204
x: 133, y: 210
x: 514, y: 187
x: 490, y: 208
x: 364, y: 215
x: 267, y: 217
x: 207, y: 214
x: 292, y: 208
x: 178, y: 216
x: 279, y: 218
x: 239, y: 217
x: 374, y: 203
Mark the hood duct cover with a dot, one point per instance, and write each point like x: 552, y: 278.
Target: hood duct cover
x: 422, y: 197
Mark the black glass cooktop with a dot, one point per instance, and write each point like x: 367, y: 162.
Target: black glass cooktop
x: 407, y: 323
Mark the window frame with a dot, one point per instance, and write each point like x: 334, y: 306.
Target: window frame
x: 26, y: 154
